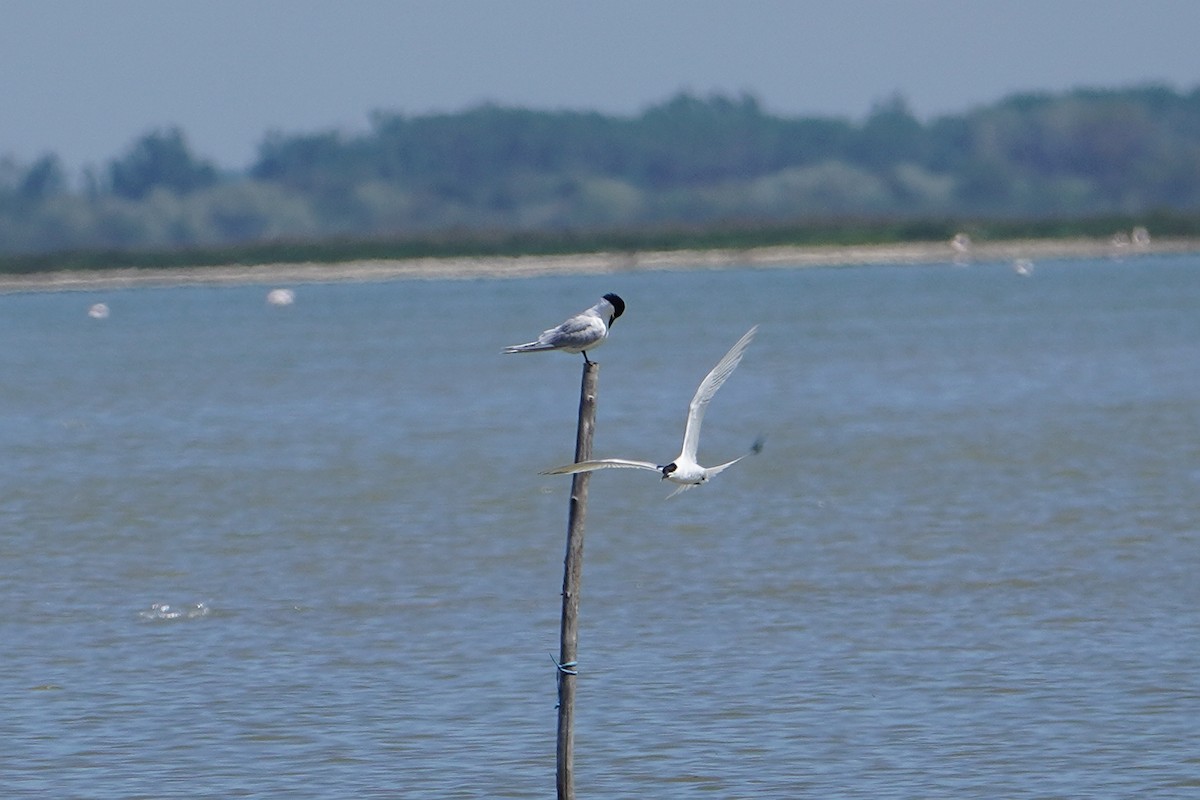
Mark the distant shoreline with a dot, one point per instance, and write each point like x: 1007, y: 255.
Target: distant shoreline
x: 466, y: 268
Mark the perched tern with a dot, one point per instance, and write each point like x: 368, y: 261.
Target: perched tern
x: 585, y: 331
x: 684, y: 470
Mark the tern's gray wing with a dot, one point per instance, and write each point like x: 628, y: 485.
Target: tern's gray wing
x: 604, y: 463
x: 578, y: 331
x: 708, y: 387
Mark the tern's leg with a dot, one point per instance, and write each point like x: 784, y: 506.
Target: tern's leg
x: 585, y: 358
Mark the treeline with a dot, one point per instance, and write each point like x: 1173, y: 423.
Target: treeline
x: 691, y: 161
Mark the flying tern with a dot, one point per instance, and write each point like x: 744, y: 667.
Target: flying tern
x: 585, y: 331
x: 684, y: 470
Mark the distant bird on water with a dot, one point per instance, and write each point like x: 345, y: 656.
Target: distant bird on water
x: 684, y: 470
x: 585, y: 331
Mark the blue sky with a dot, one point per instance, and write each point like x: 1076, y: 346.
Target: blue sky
x: 84, y: 78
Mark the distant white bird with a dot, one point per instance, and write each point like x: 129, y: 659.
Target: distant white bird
x: 684, y: 470
x: 281, y: 297
x: 585, y: 331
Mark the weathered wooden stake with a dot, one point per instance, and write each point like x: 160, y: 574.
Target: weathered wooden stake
x: 572, y: 573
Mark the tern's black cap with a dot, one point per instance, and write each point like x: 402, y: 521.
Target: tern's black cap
x: 617, y: 303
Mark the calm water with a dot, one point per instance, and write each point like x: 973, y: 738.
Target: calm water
x: 305, y: 552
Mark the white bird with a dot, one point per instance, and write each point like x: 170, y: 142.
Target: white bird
x: 281, y: 297
x: 585, y: 331
x: 684, y: 470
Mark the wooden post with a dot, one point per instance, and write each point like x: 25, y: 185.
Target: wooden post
x: 572, y: 573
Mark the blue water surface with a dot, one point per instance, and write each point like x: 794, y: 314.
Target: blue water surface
x: 305, y: 551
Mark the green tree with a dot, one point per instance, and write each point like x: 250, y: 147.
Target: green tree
x: 43, y: 180
x: 891, y: 136
x: 159, y: 159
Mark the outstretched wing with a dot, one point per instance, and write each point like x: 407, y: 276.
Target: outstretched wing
x: 710, y: 472
x: 604, y: 463
x: 708, y: 387
x: 755, y: 449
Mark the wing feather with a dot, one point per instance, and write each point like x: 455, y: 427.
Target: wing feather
x: 604, y: 463
x: 708, y: 387
x: 583, y: 327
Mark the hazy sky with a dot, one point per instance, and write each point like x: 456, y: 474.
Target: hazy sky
x: 84, y: 78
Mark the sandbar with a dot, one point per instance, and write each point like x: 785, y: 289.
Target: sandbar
x: 465, y: 268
